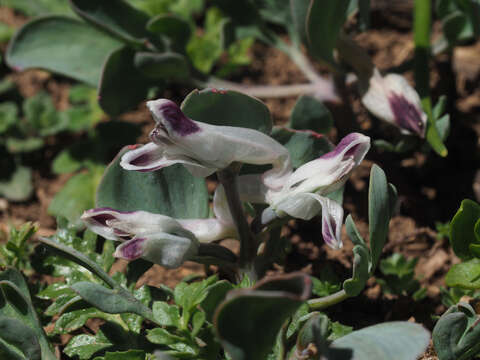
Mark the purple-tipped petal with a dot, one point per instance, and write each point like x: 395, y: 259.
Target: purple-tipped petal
x: 329, y: 172
x: 98, y: 221
x: 393, y: 99
x: 169, y: 115
x: 131, y: 250
x: 407, y: 115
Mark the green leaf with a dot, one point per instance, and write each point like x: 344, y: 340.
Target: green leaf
x: 116, y: 17
x: 248, y: 321
x: 338, y: 330
x: 165, y: 314
x: 379, y: 212
x: 18, y: 145
x: 216, y: 294
x: 310, y: 114
x: 314, y: 331
x: 38, y: 7
x: 176, y: 29
x: 456, y: 333
x: 168, y: 65
x: 353, y: 232
x: 205, y: 49
x: 62, y: 45
x: 85, y: 346
x: 229, y: 108
x: 356, y: 284
x: 107, y: 300
x: 299, y: 15
x: 393, y: 340
x: 163, y: 337
x: 303, y: 146
x: 76, y: 196
x: 125, y: 355
x: 327, y: 282
x: 19, y: 336
x: 19, y: 186
x: 119, y: 69
x: 198, y: 320
x: 324, y: 21
x: 462, y: 226
x: 15, y: 302
x: 398, y: 265
x: 170, y: 191
x: 465, y: 275
x: 41, y: 115
x: 73, y: 320
x: 8, y: 115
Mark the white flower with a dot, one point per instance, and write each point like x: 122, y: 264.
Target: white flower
x: 391, y: 98
x: 203, y: 148
x: 157, y: 238
x: 303, y: 195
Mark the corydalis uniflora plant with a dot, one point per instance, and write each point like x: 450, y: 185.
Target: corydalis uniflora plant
x: 204, y: 149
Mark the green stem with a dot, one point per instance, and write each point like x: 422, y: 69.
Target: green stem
x: 327, y: 301
x: 422, y: 28
x: 248, y: 247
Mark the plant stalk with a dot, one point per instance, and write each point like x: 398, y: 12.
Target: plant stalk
x: 248, y: 247
x: 327, y: 301
x: 323, y: 89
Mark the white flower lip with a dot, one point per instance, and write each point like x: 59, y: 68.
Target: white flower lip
x: 203, y: 148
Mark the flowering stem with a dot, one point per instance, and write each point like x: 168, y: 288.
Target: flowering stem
x: 324, y: 302
x: 248, y: 247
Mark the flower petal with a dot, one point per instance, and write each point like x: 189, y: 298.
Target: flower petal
x: 306, y: 205
x: 164, y: 249
x: 208, y: 230
x: 393, y: 99
x: 217, y: 146
x: 329, y: 172
x: 117, y: 225
x: 131, y: 250
x: 96, y: 220
x: 151, y: 157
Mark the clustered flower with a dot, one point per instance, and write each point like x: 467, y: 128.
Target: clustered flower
x: 204, y: 149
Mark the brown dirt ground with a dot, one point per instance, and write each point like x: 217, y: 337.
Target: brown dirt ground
x: 427, y: 193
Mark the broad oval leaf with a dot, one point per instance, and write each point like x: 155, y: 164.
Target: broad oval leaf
x: 176, y: 29
x: 228, y: 108
x: 116, y: 17
x: 171, y: 191
x: 310, y: 114
x: 122, y: 86
x: 392, y: 340
x: 168, y: 65
x: 249, y: 320
x: 62, y: 45
x: 462, y: 228
x: 456, y: 333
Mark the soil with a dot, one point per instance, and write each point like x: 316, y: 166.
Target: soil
x: 430, y: 188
